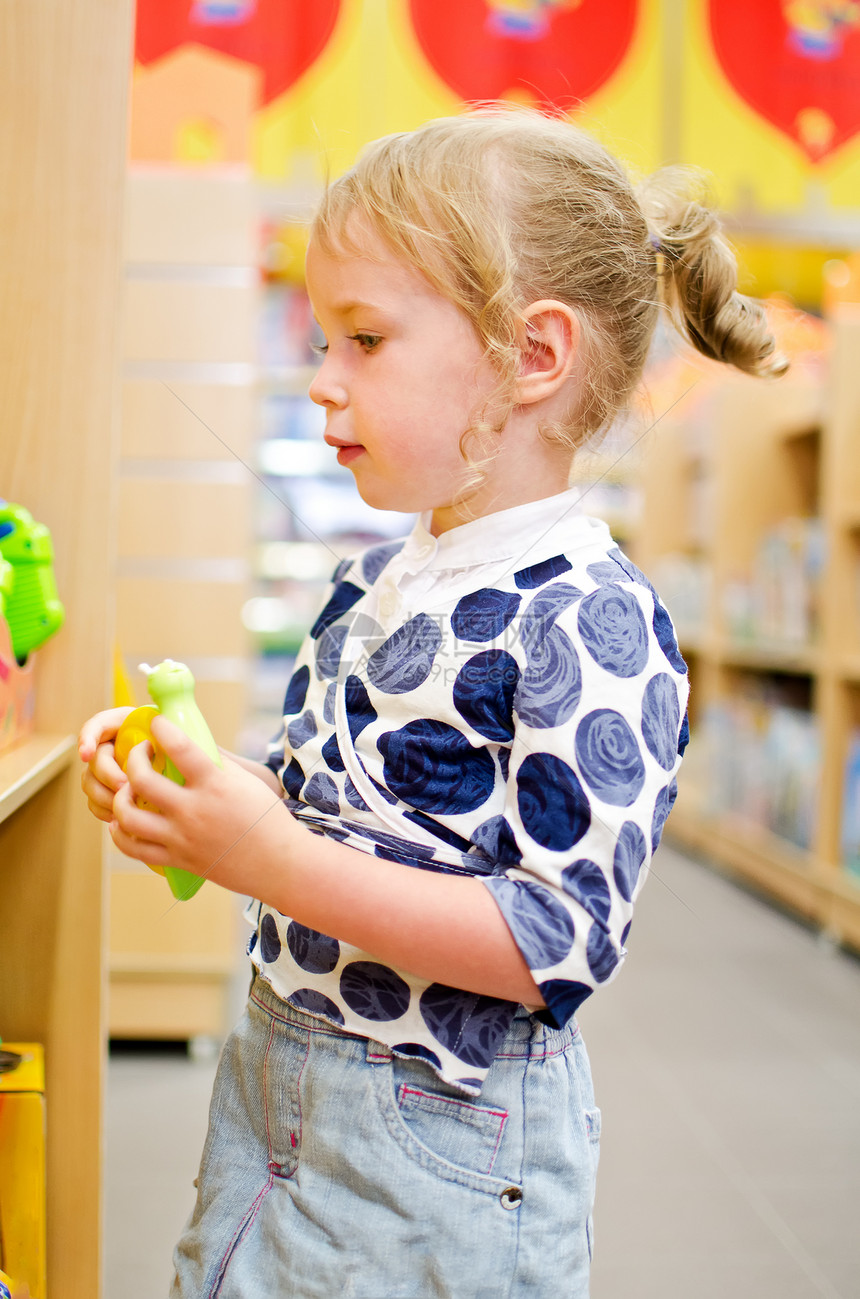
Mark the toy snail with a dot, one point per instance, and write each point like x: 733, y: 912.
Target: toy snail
x: 28, y: 589
x: 171, y: 687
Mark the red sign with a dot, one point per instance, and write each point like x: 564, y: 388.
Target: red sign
x: 797, y: 64
x: 555, y: 52
x: 281, y: 37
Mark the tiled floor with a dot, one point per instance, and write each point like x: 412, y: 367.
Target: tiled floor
x: 727, y: 1064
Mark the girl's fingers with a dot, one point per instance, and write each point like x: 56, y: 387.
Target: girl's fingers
x: 186, y: 756
x: 100, y: 812
x: 98, y: 730
x: 138, y: 828
x: 102, y: 776
x: 99, y: 795
x: 105, y: 767
x: 151, y: 854
x: 147, y: 784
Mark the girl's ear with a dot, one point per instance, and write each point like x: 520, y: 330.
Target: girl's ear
x: 549, y: 342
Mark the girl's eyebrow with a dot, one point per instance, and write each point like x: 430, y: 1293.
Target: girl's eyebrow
x: 345, y: 308
x: 356, y: 304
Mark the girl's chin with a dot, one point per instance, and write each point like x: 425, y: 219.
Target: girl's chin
x: 346, y: 455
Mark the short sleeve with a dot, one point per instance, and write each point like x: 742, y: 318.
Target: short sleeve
x: 599, y: 719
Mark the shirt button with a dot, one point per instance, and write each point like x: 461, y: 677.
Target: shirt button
x: 388, y: 604
x: 511, y: 1197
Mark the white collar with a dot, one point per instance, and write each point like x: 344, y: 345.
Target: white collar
x: 524, y: 534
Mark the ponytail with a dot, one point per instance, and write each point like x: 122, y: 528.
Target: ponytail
x: 697, y: 276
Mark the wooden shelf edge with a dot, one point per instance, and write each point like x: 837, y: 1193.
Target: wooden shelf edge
x: 173, y: 965
x: 769, y: 656
x: 757, y: 656
x: 30, y: 766
x: 848, y: 667
x: 776, y: 869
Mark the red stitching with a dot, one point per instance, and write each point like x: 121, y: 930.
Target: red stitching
x: 325, y: 1026
x: 453, y: 1100
x: 240, y: 1230
x: 498, y: 1142
x: 299, y: 1084
x: 501, y: 1115
x: 266, y: 1090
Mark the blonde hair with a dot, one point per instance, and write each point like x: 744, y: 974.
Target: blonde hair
x: 502, y: 207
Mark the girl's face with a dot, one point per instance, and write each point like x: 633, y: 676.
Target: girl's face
x: 403, y: 376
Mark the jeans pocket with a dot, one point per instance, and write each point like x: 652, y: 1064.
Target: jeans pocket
x: 453, y: 1127
x: 442, y: 1129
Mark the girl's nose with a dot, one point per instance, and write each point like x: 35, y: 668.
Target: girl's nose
x: 325, y: 388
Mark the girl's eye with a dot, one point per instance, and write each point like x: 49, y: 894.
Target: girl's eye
x: 367, y: 341
x: 318, y: 345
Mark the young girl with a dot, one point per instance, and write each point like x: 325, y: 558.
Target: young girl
x: 480, y: 738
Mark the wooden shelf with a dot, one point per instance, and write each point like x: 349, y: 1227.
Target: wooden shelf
x: 827, y: 897
x: 759, y: 656
x: 777, y: 453
x: 64, y: 73
x: 803, y: 431
x: 694, y: 642
x: 802, y: 660
x: 30, y: 766
x: 849, y: 519
x: 848, y: 667
x: 172, y: 965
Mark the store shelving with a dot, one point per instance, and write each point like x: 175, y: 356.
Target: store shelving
x: 29, y: 767
x: 183, y: 572
x: 63, y: 96
x: 774, y: 653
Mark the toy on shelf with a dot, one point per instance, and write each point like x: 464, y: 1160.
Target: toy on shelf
x: 17, y: 697
x: 31, y: 605
x: 7, y: 577
x: 16, y: 681
x: 23, y: 1217
x: 171, y: 687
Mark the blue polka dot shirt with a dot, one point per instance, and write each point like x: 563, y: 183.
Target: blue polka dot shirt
x: 506, y: 701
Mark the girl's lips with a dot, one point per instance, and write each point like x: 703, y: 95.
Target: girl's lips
x: 346, y: 455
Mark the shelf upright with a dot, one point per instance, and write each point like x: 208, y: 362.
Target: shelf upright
x: 840, y: 695
x: 64, y: 72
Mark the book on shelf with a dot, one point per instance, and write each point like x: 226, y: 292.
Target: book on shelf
x: 763, y: 760
x: 850, y: 829
x: 777, y: 602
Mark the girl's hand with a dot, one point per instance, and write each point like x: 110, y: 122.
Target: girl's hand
x: 224, y: 823
x: 102, y: 776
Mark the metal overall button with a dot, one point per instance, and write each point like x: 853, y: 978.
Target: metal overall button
x: 511, y: 1197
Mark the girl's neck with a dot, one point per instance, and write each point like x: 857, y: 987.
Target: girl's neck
x: 522, y: 470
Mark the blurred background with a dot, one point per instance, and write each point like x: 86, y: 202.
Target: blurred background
x: 156, y: 196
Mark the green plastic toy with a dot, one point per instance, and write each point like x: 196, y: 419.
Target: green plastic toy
x: 7, y: 578
x: 171, y: 687
x: 31, y: 606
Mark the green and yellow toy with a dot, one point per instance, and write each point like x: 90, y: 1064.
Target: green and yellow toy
x: 31, y: 605
x: 171, y: 687
x: 7, y: 579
